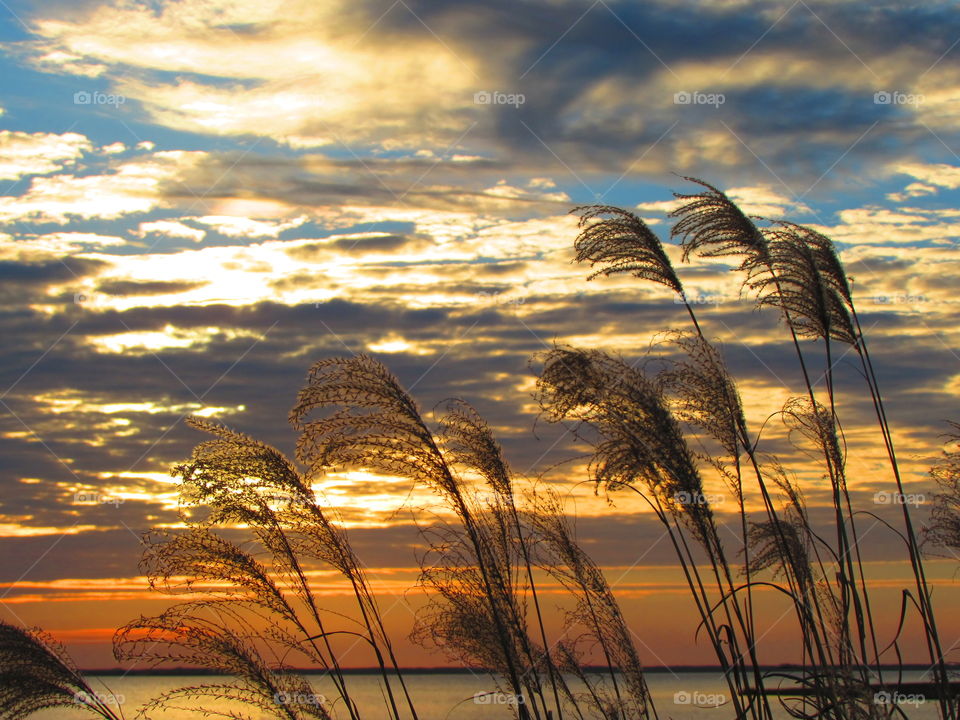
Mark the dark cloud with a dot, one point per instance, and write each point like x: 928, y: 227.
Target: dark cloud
x: 618, y: 538
x: 369, y: 182
x: 484, y: 353
x: 96, y: 554
x: 501, y: 268
x: 558, y: 55
x: 155, y: 287
x: 49, y: 271
x: 322, y: 251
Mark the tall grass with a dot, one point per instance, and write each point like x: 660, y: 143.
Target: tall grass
x: 36, y: 674
x: 943, y: 533
x: 797, y: 271
x: 255, y: 534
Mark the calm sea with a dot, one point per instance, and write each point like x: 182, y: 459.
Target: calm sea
x: 684, y: 696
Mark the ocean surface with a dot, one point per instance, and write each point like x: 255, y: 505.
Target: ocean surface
x: 445, y: 696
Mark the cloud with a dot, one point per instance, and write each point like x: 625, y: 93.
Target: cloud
x: 40, y: 273
x: 170, y: 228
x: 395, y: 343
x: 23, y: 153
x: 356, y: 244
x: 599, y: 82
x: 937, y: 175
x: 314, y: 79
x: 237, y: 226
x: 766, y: 202
x: 148, y: 287
x: 285, y: 187
x: 133, y: 187
x: 71, y: 242
x: 876, y: 225
x: 169, y: 337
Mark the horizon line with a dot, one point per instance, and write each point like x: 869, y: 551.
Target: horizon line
x: 449, y: 670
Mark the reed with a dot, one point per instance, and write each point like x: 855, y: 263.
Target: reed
x: 37, y: 674
x: 796, y: 271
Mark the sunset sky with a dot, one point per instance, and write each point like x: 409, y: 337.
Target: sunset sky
x: 201, y: 198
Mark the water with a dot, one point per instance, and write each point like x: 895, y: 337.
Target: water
x: 438, y: 696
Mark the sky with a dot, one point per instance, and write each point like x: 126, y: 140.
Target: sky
x: 201, y: 198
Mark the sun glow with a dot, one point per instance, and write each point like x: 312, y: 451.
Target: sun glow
x: 146, y: 341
